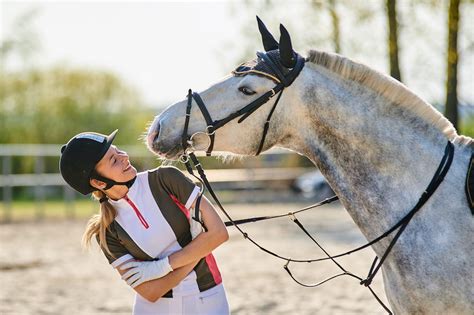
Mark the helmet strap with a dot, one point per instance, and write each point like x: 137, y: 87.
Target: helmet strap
x: 110, y: 182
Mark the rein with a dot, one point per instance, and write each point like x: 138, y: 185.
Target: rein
x: 212, y: 125
x: 438, y: 177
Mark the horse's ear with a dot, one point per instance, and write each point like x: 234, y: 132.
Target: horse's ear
x: 287, y: 56
x: 269, y: 42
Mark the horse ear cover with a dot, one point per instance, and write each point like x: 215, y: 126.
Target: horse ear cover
x: 287, y: 55
x: 269, y: 42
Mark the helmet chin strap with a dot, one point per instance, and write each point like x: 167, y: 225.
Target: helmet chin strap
x: 110, y: 182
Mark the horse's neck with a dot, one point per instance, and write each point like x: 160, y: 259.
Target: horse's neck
x: 377, y: 156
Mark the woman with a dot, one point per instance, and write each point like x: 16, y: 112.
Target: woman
x: 144, y: 228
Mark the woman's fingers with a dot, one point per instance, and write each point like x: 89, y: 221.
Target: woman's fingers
x: 133, y: 279
x: 130, y: 273
x: 130, y: 264
x: 137, y: 283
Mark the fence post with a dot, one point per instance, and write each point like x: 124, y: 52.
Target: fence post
x: 7, y: 189
x: 39, y: 188
x: 69, y: 202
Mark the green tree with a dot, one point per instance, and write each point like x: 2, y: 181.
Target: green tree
x: 331, y: 7
x: 336, y: 27
x: 451, y: 109
x: 393, y: 39
x: 50, y: 106
x: 24, y: 43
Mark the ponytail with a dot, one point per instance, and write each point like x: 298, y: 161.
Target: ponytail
x: 98, y: 223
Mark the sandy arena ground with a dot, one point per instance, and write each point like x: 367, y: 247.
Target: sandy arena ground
x: 44, y: 271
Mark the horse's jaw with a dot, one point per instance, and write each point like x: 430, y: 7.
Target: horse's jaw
x: 171, y: 155
x: 162, y: 150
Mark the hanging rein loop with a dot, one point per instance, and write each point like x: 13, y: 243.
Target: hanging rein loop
x: 438, y: 177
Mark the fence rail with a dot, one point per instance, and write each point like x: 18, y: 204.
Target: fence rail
x: 214, y: 176
x: 54, y: 149
x: 224, y: 179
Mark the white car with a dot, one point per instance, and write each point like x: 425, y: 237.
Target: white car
x: 312, y: 185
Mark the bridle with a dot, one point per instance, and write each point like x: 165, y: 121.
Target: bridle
x: 212, y: 125
x: 285, y: 77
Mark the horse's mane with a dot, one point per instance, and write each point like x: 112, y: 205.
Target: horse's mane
x: 388, y: 87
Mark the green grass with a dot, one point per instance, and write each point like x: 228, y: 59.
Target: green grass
x: 31, y: 210
x: 467, y: 126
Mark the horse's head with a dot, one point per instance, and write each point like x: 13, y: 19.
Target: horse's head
x: 228, y: 103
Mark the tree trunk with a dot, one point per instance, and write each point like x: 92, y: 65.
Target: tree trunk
x: 393, y: 39
x: 451, y: 109
x: 336, y: 31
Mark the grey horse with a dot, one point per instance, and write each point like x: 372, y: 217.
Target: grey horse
x: 378, y: 145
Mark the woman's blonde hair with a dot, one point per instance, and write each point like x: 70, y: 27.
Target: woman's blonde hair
x: 99, y: 223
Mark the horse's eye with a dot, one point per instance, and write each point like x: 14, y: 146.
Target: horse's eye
x: 246, y: 90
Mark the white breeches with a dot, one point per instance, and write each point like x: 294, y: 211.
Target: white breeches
x: 209, y: 302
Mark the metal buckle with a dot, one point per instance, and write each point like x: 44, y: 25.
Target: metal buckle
x: 184, y: 158
x: 191, y: 140
x: 208, y: 132
x: 292, y: 216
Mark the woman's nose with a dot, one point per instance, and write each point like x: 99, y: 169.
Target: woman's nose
x: 123, y: 155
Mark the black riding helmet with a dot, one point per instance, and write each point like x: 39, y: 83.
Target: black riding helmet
x: 79, y: 158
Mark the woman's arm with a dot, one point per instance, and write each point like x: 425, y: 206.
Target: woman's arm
x: 155, y: 289
x: 205, y: 242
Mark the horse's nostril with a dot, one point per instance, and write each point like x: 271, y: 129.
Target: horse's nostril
x: 157, y: 131
x: 153, y: 135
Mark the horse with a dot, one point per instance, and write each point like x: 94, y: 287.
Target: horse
x: 376, y: 142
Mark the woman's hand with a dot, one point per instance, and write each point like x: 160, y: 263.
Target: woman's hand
x: 153, y: 290
x: 138, y: 272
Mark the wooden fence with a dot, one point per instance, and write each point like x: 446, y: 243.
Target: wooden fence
x: 249, y: 177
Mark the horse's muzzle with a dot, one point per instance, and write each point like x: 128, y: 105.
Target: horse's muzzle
x: 153, y: 134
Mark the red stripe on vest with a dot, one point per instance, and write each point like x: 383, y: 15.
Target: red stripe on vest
x: 211, y: 263
x: 181, y: 206
x: 210, y: 260
x: 137, y: 212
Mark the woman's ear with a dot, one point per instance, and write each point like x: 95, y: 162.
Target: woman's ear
x: 97, y: 183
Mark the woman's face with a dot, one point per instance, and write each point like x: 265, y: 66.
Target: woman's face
x: 116, y: 165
